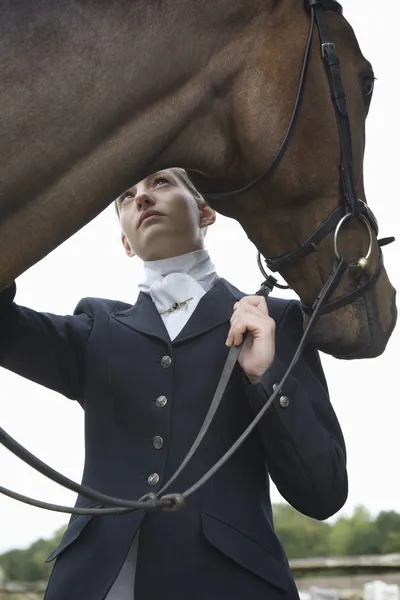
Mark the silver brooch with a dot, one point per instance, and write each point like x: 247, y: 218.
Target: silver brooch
x: 175, y: 306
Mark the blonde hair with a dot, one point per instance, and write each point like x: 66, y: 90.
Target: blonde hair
x: 185, y: 179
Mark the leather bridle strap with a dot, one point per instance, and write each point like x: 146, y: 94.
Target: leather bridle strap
x: 309, y: 246
x: 348, y: 298
x: 289, y: 259
x: 281, y: 151
x: 351, y: 205
x: 332, y: 64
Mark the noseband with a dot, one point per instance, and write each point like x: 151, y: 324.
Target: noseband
x: 350, y: 208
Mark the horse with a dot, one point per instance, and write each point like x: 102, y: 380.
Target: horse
x: 97, y: 95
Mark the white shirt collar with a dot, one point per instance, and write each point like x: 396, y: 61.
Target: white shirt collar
x: 196, y: 264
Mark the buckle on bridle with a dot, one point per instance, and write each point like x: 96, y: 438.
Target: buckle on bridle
x: 328, y: 48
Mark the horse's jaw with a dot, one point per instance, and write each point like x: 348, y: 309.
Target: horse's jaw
x: 361, y: 329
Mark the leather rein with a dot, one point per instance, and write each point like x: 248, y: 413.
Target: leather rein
x: 351, y: 208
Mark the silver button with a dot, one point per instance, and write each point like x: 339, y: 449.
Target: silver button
x: 284, y: 401
x: 158, y: 442
x: 153, y: 479
x: 275, y: 387
x: 161, y: 401
x: 166, y: 362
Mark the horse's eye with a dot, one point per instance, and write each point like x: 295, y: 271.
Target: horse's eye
x: 368, y: 86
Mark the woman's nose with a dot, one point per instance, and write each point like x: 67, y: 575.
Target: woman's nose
x: 143, y: 199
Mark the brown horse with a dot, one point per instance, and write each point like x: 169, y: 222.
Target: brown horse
x: 96, y: 95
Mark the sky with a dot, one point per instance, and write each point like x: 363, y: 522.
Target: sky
x: 364, y: 393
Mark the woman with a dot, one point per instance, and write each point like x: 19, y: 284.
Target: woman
x: 145, y: 375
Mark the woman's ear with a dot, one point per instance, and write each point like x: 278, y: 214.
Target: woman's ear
x: 127, y: 246
x: 207, y: 214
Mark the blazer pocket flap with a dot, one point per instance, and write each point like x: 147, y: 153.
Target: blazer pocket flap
x: 72, y: 532
x: 245, y: 552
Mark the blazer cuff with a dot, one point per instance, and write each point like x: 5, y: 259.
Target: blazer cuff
x: 290, y: 400
x: 260, y: 392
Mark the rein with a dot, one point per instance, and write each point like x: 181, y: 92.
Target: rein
x: 151, y: 501
x: 351, y: 208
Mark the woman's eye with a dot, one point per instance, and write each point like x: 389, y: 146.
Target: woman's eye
x: 126, y: 196
x: 161, y: 180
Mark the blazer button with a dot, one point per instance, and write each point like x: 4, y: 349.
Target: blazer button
x: 161, y: 401
x: 166, y: 362
x: 153, y: 479
x: 158, y: 442
x: 284, y: 401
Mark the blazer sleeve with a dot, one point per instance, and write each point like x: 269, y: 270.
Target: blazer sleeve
x: 45, y: 348
x: 304, y: 444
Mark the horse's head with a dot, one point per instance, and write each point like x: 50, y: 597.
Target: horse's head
x: 308, y: 214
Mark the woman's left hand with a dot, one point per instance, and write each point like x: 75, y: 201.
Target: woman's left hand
x: 251, y: 313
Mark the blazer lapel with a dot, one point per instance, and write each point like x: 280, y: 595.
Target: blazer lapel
x: 214, y: 309
x: 144, y: 318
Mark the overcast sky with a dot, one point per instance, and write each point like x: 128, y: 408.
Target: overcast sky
x: 365, y: 394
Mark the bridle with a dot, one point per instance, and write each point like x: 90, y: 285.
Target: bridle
x: 350, y: 208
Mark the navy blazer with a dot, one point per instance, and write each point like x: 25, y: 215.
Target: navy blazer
x: 108, y: 357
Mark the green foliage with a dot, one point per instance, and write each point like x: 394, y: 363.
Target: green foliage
x: 388, y: 525
x: 355, y: 535
x: 24, y: 597
x: 349, y: 536
x: 29, y: 565
x: 301, y: 537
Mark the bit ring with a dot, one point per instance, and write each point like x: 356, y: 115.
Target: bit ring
x: 363, y: 261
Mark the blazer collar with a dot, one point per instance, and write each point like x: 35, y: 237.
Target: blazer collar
x: 213, y: 309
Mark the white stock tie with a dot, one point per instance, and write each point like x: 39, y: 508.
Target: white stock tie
x: 171, y: 289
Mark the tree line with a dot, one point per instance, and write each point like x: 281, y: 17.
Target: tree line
x: 300, y: 536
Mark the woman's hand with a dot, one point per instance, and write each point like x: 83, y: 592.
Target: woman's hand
x: 257, y: 354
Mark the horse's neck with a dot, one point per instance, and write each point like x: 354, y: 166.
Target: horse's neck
x: 241, y: 30
x: 95, y: 98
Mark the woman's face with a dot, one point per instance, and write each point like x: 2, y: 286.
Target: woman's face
x: 160, y: 218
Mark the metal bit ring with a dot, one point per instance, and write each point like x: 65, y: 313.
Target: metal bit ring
x: 363, y: 261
